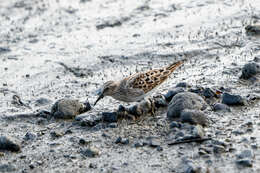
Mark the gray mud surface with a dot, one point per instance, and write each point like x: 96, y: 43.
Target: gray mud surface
x: 51, y: 50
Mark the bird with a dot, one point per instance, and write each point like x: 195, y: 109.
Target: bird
x: 136, y: 87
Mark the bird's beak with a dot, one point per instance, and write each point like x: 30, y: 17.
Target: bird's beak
x: 99, y: 98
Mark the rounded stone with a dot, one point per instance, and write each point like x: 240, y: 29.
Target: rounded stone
x: 185, y: 100
x: 194, y: 117
x: 232, y: 99
x: 249, y: 70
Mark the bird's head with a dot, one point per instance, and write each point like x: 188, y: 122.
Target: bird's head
x: 108, y: 89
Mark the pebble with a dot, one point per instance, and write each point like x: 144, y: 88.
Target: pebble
x: 123, y: 141
x: 90, y: 152
x: 153, y: 142
x: 29, y: 136
x: 68, y: 108
x: 185, y: 100
x: 55, y: 134
x: 208, y: 93
x: 42, y: 102
x: 183, y: 85
x: 250, y: 70
x: 7, y: 168
x: 231, y: 99
x: 244, y: 162
x: 9, y: 144
x: 172, y: 92
x: 109, y: 117
x: 194, y: 117
x: 174, y: 124
x: 245, y: 154
x: 88, y: 119
x: 112, y: 125
x: 221, y: 107
x: 218, y: 149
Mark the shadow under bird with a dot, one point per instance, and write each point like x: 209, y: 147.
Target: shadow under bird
x: 135, y: 87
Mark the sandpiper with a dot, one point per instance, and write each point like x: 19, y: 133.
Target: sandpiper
x: 135, y: 87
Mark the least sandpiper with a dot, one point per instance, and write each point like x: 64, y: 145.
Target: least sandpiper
x: 135, y: 87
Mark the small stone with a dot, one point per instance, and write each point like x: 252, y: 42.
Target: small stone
x: 185, y: 100
x: 42, y: 102
x: 250, y: 70
x: 182, y: 84
x: 7, y: 168
x: 194, y: 117
x: 174, y: 124
x: 88, y: 119
x: 172, y: 92
x: 245, y: 154
x: 67, y: 108
x: 82, y: 141
x: 29, y: 136
x: 138, y: 144
x: 92, y: 166
x: 208, y: 93
x: 109, y: 117
x: 112, y: 125
x: 55, y: 134
x: 118, y: 140
x: 218, y: 149
x: 244, y: 162
x: 221, y: 107
x: 9, y: 144
x: 159, y: 148
x: 231, y: 99
x: 90, y: 152
x: 179, y: 134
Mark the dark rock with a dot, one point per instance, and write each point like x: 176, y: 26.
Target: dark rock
x: 4, y: 50
x: 257, y: 59
x: 112, y: 125
x: 174, y: 124
x: 185, y: 100
x: 92, y: 166
x: 197, y: 90
x: 7, y: 168
x: 111, y: 22
x: 123, y: 141
x: 230, y: 99
x: 160, y: 101
x: 42, y: 102
x: 138, y: 144
x: 249, y: 70
x: 88, y: 119
x: 252, y: 30
x: 90, y: 152
x: 29, y: 136
x: 245, y: 154
x: 218, y: 149
x: 44, y: 114
x: 208, y: 93
x: 55, y: 134
x: 172, y: 92
x: 238, y: 132
x: 179, y: 135
x: 159, y: 148
x: 67, y: 108
x: 244, y: 162
x: 121, y: 108
x: 82, y: 141
x: 182, y: 84
x: 109, y: 117
x: 9, y: 144
x: 194, y: 117
x: 221, y: 107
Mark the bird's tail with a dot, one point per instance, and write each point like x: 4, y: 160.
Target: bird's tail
x: 175, y: 65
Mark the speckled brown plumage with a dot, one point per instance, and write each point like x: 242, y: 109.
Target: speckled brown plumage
x: 135, y: 87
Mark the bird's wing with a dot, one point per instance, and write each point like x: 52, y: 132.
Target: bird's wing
x: 152, y: 78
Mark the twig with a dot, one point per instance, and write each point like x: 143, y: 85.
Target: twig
x: 189, y: 141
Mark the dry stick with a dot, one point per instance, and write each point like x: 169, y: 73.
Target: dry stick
x: 189, y: 141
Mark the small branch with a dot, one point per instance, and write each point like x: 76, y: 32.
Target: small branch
x: 189, y: 141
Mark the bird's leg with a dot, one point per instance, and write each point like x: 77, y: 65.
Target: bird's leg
x: 152, y: 106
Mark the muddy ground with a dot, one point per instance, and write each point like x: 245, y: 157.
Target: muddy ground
x: 62, y: 49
